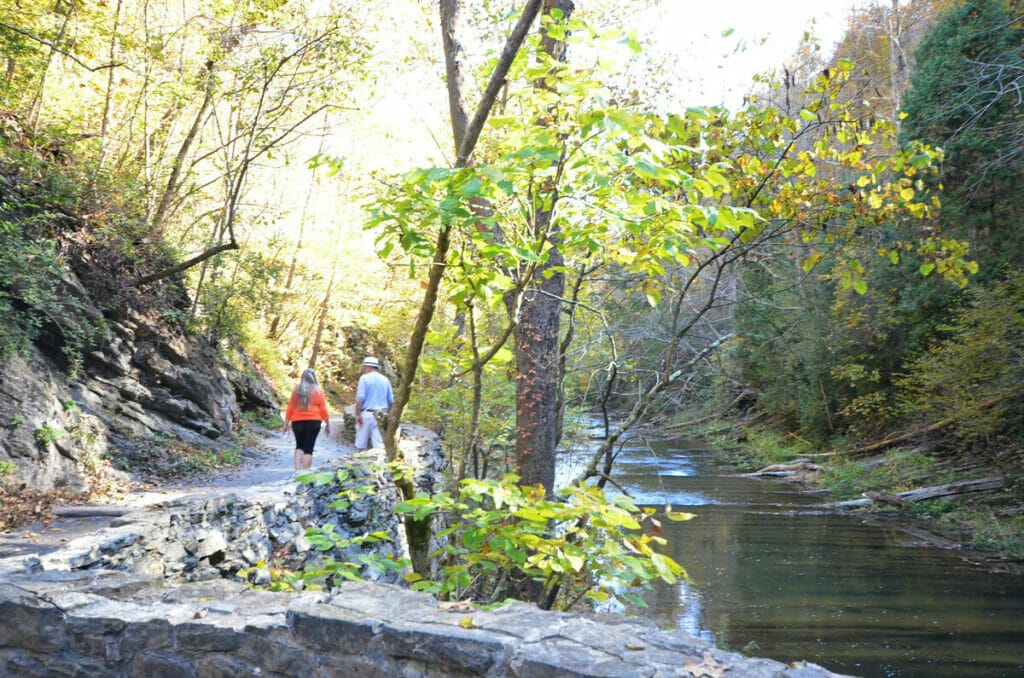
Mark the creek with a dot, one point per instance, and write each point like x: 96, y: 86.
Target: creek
x: 772, y: 576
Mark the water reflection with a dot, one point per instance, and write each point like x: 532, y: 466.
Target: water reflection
x: 792, y: 583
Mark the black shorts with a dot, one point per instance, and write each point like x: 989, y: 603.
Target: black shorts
x: 305, y: 434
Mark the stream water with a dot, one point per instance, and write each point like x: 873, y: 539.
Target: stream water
x: 773, y: 577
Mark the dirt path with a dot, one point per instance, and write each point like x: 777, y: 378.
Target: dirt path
x: 270, y: 461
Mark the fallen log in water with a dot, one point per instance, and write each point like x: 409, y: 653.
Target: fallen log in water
x: 784, y: 470
x: 961, y: 487
x: 923, y: 493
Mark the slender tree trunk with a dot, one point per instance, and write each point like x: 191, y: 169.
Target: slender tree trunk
x: 37, y: 102
x: 897, y: 60
x: 173, y: 181
x: 453, y: 70
x: 440, y: 260
x: 109, y: 98
x: 272, y: 332
x: 324, y: 307
x: 418, y: 531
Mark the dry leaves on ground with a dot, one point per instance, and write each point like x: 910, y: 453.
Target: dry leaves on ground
x: 20, y: 505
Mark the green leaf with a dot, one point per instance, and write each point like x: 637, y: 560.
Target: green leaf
x: 634, y: 45
x: 807, y: 115
x: 860, y: 287
x: 535, y: 515
x: 646, y: 169
x: 470, y: 189
x: 926, y: 269
x: 502, y: 357
x: 920, y: 161
x: 699, y: 113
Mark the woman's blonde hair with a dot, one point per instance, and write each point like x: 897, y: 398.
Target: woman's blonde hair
x: 305, y: 388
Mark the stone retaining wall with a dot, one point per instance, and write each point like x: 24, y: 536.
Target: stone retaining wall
x: 115, y: 624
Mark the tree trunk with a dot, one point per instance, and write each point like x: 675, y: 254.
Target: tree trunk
x: 453, y: 70
x: 324, y: 307
x: 465, y: 146
x: 897, y: 60
x: 108, y: 99
x: 37, y: 102
x: 538, y: 368
x: 536, y: 335
x: 275, y: 324
x: 173, y: 181
x: 926, y: 493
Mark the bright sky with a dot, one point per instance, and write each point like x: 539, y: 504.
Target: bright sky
x: 685, y: 39
x: 716, y: 65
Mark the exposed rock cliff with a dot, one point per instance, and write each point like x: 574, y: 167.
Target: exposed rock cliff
x: 142, y: 380
x: 92, y: 366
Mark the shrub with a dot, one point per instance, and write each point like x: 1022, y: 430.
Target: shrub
x: 583, y: 546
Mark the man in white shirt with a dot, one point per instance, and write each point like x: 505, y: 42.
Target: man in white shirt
x: 373, y: 394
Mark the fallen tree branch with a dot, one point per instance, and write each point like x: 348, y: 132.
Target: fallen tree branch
x: 889, y: 442
x: 925, y: 493
x: 784, y: 469
x: 185, y: 265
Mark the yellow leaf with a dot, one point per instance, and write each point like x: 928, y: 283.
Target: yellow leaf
x: 467, y: 623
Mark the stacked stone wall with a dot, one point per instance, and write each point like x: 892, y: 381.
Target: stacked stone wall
x: 117, y: 624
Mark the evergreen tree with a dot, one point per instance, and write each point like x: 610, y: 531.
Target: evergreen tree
x: 965, y: 97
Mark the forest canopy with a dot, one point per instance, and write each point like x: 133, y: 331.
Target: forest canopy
x: 839, y: 255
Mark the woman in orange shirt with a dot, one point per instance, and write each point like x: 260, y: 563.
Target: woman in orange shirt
x: 306, y: 409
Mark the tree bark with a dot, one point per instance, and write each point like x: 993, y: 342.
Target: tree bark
x: 537, y: 334
x: 453, y: 70
x: 538, y: 368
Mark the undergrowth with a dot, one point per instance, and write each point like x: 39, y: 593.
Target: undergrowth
x: 896, y: 472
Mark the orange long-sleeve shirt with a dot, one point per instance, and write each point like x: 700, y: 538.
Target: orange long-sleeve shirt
x: 317, y: 408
